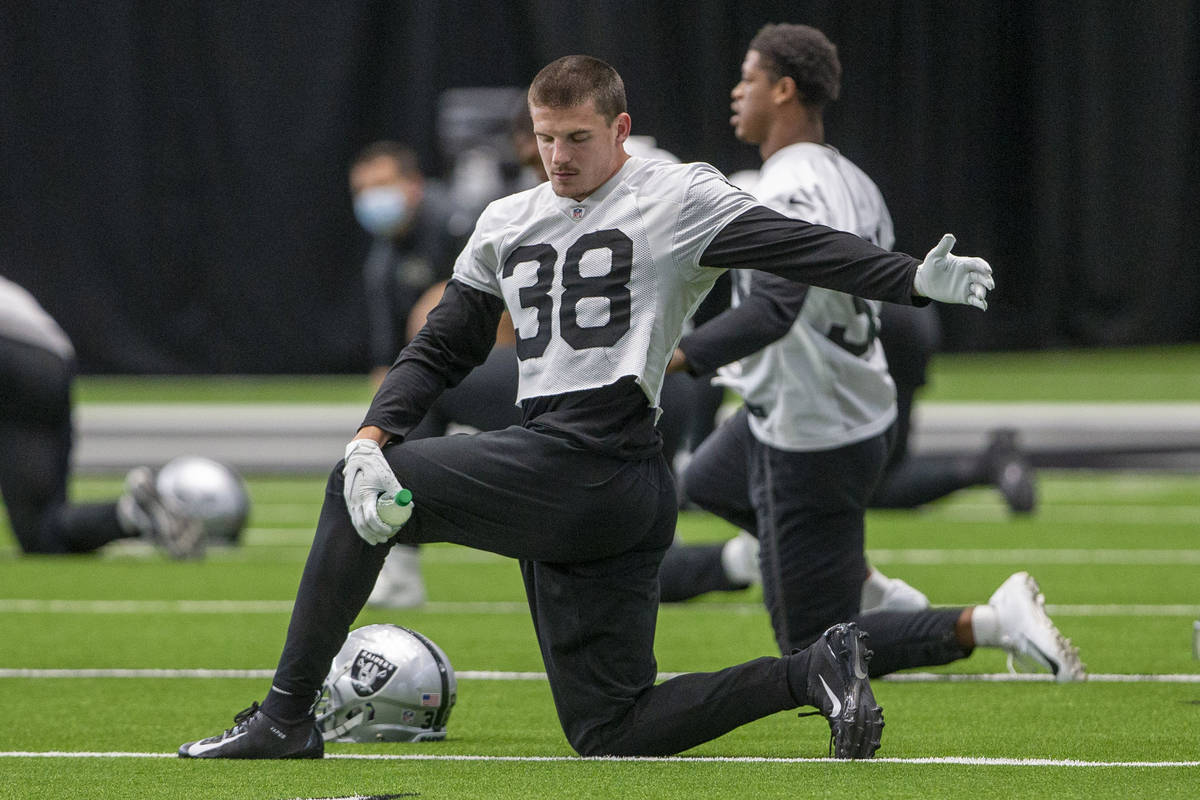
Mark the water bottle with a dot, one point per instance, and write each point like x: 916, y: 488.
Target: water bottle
x: 395, y: 509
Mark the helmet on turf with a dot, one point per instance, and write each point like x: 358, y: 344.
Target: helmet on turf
x: 389, y: 684
x: 202, y: 489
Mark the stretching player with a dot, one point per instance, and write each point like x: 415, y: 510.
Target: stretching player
x: 37, y: 369
x: 599, y: 268
x: 798, y: 462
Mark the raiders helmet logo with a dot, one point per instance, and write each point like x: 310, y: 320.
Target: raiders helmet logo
x: 370, y: 672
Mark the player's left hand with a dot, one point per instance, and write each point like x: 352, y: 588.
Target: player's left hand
x: 948, y: 278
x: 368, y: 475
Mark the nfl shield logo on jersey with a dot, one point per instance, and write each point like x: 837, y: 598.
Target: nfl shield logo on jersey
x: 370, y: 672
x: 577, y: 213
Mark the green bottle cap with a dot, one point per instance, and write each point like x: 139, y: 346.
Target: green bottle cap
x: 403, y: 497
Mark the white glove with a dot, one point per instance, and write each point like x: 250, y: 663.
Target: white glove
x: 948, y: 278
x: 368, y: 475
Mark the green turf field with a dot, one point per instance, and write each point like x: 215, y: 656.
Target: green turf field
x: 1117, y: 555
x: 1146, y: 374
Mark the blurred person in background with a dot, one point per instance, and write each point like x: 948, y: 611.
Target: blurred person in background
x: 797, y: 464
x: 909, y: 336
x: 37, y: 370
x: 411, y: 247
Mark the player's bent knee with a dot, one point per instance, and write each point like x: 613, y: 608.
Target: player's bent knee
x: 613, y: 740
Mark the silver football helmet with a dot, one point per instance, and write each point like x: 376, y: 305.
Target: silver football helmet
x: 388, y: 684
x: 200, y: 488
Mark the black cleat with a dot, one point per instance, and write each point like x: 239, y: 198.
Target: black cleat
x: 1010, y: 471
x: 255, y: 735
x: 838, y: 685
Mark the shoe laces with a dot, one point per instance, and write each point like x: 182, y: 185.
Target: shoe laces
x: 242, y: 717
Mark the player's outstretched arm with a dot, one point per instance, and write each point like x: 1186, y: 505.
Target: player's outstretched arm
x: 948, y: 278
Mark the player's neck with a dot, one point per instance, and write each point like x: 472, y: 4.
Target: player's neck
x: 793, y: 130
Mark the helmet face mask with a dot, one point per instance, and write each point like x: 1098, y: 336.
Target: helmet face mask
x: 388, y: 684
x: 206, y: 490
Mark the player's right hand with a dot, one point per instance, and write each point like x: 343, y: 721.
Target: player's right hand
x: 948, y: 278
x: 368, y: 475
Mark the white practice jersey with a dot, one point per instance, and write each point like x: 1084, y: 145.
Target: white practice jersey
x: 21, y: 318
x: 825, y: 384
x: 600, y: 289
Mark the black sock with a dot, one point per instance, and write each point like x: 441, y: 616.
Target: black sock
x: 797, y: 675
x: 290, y: 709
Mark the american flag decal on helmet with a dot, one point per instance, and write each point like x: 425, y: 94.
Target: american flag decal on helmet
x: 431, y: 699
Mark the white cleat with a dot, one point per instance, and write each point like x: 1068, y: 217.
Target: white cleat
x: 399, y: 584
x: 898, y: 596
x: 1031, y: 639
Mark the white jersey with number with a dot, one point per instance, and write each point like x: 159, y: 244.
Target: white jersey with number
x: 825, y: 384
x: 21, y: 318
x: 600, y: 289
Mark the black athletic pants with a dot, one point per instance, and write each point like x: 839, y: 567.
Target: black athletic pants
x: 590, y: 531
x: 807, y: 510
x: 35, y: 455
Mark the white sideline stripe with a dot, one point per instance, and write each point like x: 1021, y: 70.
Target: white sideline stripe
x: 1033, y: 555
x: 975, y: 761
x: 18, y: 605
x: 1126, y: 514
x: 502, y: 675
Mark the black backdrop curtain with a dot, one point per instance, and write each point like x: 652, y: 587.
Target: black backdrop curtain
x: 173, y: 173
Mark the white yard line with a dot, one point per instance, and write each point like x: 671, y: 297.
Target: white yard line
x: 30, y: 605
x: 505, y: 675
x: 1034, y: 555
x: 1125, y: 514
x: 945, y: 760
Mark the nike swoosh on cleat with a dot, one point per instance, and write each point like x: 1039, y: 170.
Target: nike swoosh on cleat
x: 837, y: 703
x: 199, y: 748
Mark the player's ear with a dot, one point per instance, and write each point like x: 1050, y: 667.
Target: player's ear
x: 624, y: 126
x: 785, y: 90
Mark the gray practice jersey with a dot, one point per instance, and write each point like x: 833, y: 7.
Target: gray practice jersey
x: 21, y: 318
x: 824, y: 384
x: 600, y: 289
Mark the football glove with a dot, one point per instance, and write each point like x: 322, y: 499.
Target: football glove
x: 948, y: 278
x: 368, y: 475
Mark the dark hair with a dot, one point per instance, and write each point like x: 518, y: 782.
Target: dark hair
x: 806, y: 56
x: 402, y: 155
x: 573, y: 80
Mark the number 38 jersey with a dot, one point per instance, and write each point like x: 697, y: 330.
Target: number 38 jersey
x: 825, y: 383
x: 599, y: 289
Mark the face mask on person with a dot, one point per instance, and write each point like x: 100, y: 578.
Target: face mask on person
x: 381, y: 210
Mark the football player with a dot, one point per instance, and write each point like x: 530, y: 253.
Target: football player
x: 798, y: 462
x: 599, y: 268
x: 37, y: 369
